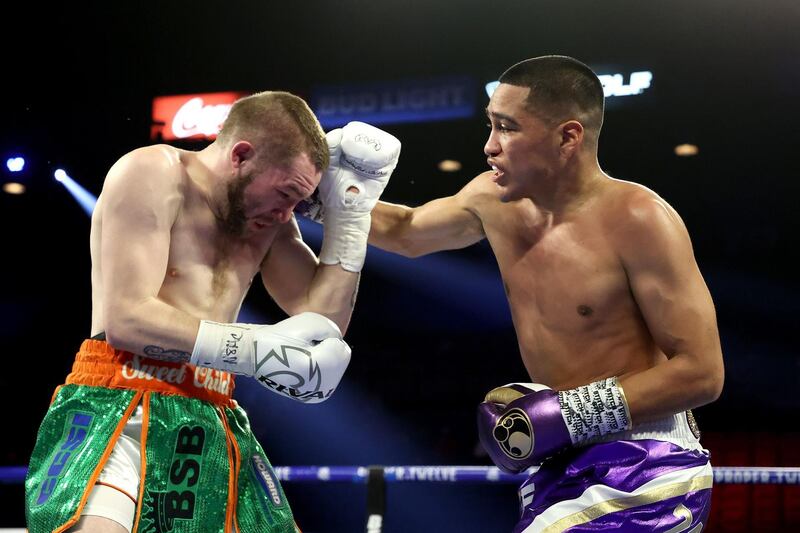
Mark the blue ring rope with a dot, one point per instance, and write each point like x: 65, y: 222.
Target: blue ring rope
x: 464, y: 474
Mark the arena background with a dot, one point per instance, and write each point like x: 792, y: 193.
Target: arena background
x: 429, y: 336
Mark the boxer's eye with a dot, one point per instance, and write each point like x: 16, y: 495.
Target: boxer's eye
x: 499, y: 127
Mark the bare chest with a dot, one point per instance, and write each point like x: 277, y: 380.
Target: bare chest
x: 208, y: 271
x: 564, y: 280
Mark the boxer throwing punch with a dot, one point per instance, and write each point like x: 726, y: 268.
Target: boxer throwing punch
x: 613, y: 318
x: 144, y: 435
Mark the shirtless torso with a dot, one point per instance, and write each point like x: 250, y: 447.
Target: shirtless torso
x: 208, y: 271
x: 164, y: 253
x: 608, y: 287
x: 607, y: 300
x: 177, y: 238
x: 573, y: 310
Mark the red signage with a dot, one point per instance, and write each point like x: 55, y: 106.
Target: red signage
x: 191, y: 116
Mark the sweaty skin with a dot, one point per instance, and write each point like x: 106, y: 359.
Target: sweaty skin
x: 575, y: 316
x: 600, y: 274
x: 168, y: 249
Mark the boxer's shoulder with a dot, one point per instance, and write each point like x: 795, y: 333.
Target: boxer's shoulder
x: 160, y: 164
x: 479, y: 192
x: 632, y: 201
x: 636, y: 218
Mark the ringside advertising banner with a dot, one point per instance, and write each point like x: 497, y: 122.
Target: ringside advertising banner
x: 191, y: 116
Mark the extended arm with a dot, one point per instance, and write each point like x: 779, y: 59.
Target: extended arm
x: 442, y: 224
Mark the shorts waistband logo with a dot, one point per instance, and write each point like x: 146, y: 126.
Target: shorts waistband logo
x: 203, y: 378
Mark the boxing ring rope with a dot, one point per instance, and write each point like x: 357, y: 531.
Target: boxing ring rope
x: 491, y: 474
x: 463, y: 474
x: 376, y: 478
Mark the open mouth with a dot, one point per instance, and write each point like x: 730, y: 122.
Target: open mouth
x: 498, y: 174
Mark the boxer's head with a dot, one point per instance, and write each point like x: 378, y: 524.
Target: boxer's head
x: 277, y: 152
x: 280, y: 126
x: 545, y: 112
x: 560, y: 89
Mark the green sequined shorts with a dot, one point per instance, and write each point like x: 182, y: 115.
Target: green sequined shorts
x: 202, y: 468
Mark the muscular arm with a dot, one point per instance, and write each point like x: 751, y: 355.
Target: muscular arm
x: 442, y: 224
x: 140, y: 201
x: 677, y: 307
x: 298, y: 282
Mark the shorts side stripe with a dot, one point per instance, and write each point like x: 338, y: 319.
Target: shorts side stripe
x: 143, y: 457
x: 600, y: 500
x: 101, y: 463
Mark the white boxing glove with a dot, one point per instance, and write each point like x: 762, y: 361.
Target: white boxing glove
x: 302, y: 357
x: 309, y: 374
x: 362, y: 157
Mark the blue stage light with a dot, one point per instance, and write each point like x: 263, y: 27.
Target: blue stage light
x: 86, y: 199
x: 15, y: 164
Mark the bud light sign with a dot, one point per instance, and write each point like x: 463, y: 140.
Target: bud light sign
x: 388, y: 103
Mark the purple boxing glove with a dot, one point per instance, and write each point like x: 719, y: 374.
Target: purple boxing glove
x: 521, y: 424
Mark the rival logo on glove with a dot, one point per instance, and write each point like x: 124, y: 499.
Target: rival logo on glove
x: 379, y: 172
x: 372, y: 141
x: 279, y: 365
x: 514, y: 434
x: 294, y: 393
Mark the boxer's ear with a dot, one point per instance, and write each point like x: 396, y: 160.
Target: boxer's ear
x: 240, y: 152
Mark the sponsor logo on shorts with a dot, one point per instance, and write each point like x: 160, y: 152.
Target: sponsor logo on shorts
x: 213, y: 380
x: 685, y: 515
x: 514, y: 434
x: 203, y: 378
x: 136, y: 369
x: 76, y: 429
x: 161, y: 509
x: 267, y: 480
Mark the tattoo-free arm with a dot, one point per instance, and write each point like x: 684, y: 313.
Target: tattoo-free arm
x: 677, y: 307
x: 298, y: 282
x: 442, y: 224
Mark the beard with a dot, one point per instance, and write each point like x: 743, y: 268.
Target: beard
x: 234, y: 221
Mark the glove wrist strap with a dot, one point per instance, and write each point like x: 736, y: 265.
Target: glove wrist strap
x: 225, y: 347
x: 344, y: 239
x: 594, y: 410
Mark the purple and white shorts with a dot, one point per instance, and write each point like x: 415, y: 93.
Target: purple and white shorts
x: 654, y: 478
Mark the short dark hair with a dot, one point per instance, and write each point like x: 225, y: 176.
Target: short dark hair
x: 561, y: 88
x: 280, y: 126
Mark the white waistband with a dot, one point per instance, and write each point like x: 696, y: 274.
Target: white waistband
x: 674, y: 429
